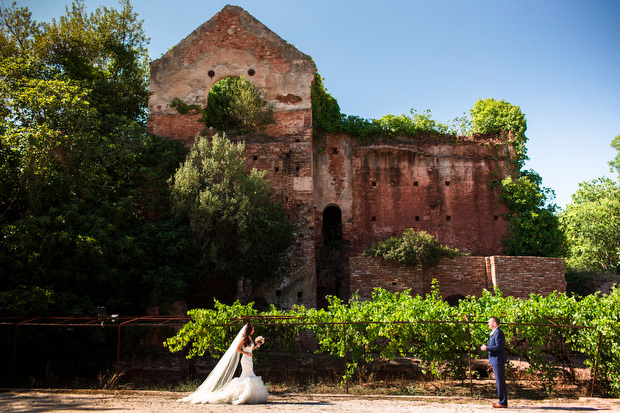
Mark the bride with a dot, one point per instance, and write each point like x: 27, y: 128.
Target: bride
x: 245, y: 389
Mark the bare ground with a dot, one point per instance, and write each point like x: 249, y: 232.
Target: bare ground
x: 162, y: 401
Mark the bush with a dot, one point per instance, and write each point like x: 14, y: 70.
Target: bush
x: 412, y: 248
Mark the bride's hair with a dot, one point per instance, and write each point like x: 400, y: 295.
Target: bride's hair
x: 247, y: 336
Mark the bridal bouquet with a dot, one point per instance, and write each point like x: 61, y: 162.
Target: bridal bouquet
x: 259, y: 340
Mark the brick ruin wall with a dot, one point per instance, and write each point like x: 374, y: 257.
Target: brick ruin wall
x: 461, y: 276
x: 439, y: 187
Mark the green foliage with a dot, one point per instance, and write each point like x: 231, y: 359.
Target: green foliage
x: 497, y: 116
x: 602, y: 312
x: 235, y: 105
x: 615, y: 164
x: 84, y: 200
x: 591, y: 223
x: 412, y: 248
x: 326, y: 116
x: 533, y: 226
x: 198, y: 335
x: 106, y: 51
x: 240, y: 232
x: 397, y: 324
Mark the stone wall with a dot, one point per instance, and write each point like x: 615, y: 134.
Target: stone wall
x: 460, y: 276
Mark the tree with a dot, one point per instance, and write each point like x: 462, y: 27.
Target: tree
x: 83, y: 201
x: 240, y: 232
x: 412, y: 248
x: 235, y: 105
x: 592, y: 226
x: 533, y: 226
x: 615, y: 164
x: 497, y: 116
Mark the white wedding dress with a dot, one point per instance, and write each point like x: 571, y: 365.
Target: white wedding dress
x: 245, y: 389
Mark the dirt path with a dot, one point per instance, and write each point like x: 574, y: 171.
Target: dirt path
x: 152, y: 401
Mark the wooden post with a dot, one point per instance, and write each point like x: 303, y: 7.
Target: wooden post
x: 14, y: 354
x: 471, y: 383
x: 598, y: 350
x: 118, y: 350
x: 346, y: 370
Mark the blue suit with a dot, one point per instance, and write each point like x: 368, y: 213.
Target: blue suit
x: 497, y: 359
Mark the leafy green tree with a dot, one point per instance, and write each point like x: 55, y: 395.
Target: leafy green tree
x: 106, y: 51
x: 497, y: 116
x: 235, y: 105
x: 533, y: 225
x: 412, y: 248
x: 615, y: 164
x: 592, y: 226
x: 83, y: 203
x: 241, y: 233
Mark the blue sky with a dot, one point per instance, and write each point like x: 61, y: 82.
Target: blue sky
x: 559, y: 60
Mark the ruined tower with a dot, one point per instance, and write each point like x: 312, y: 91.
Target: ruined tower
x: 341, y: 194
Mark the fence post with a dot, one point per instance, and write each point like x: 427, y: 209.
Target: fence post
x: 346, y: 370
x: 598, y: 350
x: 14, y: 354
x: 118, y: 349
x: 471, y: 383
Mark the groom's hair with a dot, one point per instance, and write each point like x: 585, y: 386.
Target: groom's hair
x: 494, y: 319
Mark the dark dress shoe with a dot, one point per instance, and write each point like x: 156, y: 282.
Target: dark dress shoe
x: 497, y: 405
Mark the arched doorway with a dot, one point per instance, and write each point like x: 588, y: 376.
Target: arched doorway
x: 332, y: 225
x: 332, y: 259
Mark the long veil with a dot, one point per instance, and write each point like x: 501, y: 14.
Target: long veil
x: 222, y: 372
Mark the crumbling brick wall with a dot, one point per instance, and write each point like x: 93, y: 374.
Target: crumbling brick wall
x: 440, y: 185
x: 461, y: 276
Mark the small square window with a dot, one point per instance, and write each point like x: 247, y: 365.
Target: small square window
x: 374, y: 219
x: 278, y: 293
x: 448, y: 217
x: 335, y: 151
x: 374, y: 183
x: 255, y: 158
x: 300, y: 294
x: 495, y: 217
x: 297, y: 167
x: 417, y: 218
x: 415, y: 183
x: 277, y: 168
x: 447, y: 183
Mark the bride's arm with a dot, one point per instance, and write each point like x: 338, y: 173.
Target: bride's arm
x: 240, y: 350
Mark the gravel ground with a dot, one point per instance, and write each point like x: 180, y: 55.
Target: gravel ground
x: 159, y: 401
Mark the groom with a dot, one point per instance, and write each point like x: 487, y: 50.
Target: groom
x: 497, y: 359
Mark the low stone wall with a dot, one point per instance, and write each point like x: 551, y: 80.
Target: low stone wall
x: 460, y: 276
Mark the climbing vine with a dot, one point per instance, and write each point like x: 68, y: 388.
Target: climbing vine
x: 426, y: 327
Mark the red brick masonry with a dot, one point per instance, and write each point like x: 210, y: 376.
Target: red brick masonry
x: 461, y: 276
